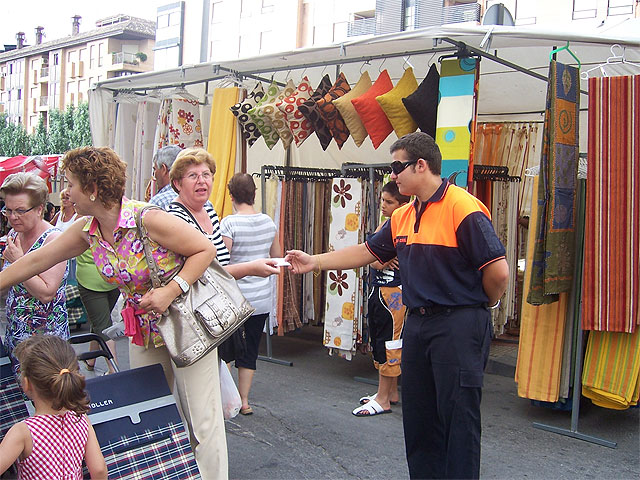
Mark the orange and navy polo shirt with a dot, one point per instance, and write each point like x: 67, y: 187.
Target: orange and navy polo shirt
x: 441, y: 248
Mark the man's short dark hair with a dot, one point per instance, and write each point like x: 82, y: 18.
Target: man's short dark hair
x: 242, y: 188
x: 420, y: 145
x: 392, y: 189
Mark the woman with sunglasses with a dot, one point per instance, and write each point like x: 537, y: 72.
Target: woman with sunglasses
x: 36, y: 305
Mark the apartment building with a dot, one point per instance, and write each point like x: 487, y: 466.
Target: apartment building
x: 194, y: 31
x: 58, y: 73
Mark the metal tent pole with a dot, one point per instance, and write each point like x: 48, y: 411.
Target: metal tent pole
x: 269, y: 356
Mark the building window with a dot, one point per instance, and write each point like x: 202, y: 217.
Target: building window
x: 267, y: 6
x: 163, y: 21
x: 100, y: 54
x: 19, y: 94
x: 92, y: 56
x: 584, y: 9
x: 216, y: 11
x: 266, y: 41
x: 620, y: 7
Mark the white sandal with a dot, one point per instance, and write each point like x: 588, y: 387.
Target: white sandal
x: 370, y: 409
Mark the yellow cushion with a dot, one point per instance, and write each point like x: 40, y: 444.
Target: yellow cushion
x: 348, y: 111
x: 394, y: 109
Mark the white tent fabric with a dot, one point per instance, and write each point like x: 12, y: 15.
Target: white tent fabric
x: 505, y: 94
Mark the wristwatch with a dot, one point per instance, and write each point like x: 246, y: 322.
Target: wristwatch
x: 182, y: 283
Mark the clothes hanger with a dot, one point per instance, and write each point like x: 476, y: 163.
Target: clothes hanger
x: 566, y: 47
x: 363, y: 65
x: 182, y: 92
x: 380, y: 67
x: 406, y: 62
x: 614, y: 59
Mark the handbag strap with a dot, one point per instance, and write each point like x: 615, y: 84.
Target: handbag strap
x: 193, y: 219
x: 144, y: 238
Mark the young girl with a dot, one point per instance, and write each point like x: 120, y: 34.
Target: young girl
x: 52, y: 443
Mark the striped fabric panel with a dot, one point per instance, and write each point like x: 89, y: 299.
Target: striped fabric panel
x: 611, y: 288
x: 611, y: 369
x: 541, y: 340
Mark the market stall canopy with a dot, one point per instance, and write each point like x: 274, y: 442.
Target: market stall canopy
x: 44, y: 165
x: 511, y: 75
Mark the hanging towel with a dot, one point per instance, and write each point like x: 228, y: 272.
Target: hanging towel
x: 611, y: 291
x: 542, y: 330
x: 552, y: 269
x: 611, y: 367
x: 223, y: 129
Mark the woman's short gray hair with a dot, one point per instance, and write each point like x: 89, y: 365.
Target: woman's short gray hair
x: 26, y: 182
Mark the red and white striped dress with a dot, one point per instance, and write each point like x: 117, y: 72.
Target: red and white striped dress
x: 59, y: 443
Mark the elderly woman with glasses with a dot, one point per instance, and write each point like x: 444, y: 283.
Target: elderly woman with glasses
x: 36, y: 305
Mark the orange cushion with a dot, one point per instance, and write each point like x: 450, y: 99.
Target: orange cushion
x: 372, y: 116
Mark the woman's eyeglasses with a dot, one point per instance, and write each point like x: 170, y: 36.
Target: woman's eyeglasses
x: 194, y: 176
x: 18, y: 212
x: 398, y: 167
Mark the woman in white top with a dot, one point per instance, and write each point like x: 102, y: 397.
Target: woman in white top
x: 249, y: 235
x: 67, y: 214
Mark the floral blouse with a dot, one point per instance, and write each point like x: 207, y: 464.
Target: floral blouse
x: 125, y: 265
x: 26, y: 315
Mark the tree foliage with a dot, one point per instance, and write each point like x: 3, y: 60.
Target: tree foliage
x: 66, y: 130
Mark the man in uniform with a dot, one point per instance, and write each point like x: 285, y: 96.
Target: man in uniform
x: 453, y: 271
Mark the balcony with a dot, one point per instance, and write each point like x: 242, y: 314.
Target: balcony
x: 44, y: 74
x: 44, y: 104
x: 362, y: 26
x: 124, y: 61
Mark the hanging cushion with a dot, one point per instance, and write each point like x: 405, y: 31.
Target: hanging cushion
x: 348, y: 111
x: 297, y: 124
x: 276, y: 118
x: 311, y: 112
x: 249, y: 129
x: 394, y: 109
x: 372, y: 116
x: 259, y: 118
x: 422, y: 104
x: 330, y: 113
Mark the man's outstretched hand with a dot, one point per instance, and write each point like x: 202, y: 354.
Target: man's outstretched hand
x: 300, y: 262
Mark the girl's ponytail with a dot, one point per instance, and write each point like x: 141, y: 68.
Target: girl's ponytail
x: 51, y: 366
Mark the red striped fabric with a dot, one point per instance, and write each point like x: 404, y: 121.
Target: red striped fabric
x: 611, y: 286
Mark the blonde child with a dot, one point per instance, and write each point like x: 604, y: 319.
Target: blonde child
x: 386, y: 318
x: 52, y: 443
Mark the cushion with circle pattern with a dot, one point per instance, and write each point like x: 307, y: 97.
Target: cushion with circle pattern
x: 241, y: 109
x: 297, y: 124
x: 263, y: 123
x: 311, y: 112
x: 331, y: 115
x: 275, y: 119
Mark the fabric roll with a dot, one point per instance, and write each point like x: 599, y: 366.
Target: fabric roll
x: 223, y: 131
x: 340, y: 327
x: 552, y: 268
x: 611, y: 291
x: 540, y: 346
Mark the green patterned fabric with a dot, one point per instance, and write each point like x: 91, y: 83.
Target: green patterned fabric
x: 554, y: 249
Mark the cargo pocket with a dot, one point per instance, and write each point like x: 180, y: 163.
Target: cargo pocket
x: 394, y: 358
x: 471, y: 379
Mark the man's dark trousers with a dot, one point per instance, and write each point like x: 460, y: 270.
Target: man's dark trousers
x: 444, y: 352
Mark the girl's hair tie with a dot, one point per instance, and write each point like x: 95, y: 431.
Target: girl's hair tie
x: 64, y: 370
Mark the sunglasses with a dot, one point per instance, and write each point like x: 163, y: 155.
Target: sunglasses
x: 398, y: 167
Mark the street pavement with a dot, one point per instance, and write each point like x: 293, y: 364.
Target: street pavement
x: 302, y: 426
